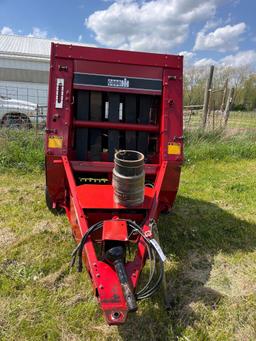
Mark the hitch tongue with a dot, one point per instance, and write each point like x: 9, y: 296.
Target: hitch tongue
x: 115, y: 256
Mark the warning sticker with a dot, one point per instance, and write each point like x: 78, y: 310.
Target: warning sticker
x: 55, y: 142
x: 174, y: 148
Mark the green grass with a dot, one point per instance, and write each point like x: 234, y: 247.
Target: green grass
x: 243, y: 120
x: 218, y: 146
x: 209, y: 239
x: 22, y: 150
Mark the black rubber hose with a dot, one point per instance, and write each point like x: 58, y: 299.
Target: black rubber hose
x: 152, y: 252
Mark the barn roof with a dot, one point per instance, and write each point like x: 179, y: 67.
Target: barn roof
x: 13, y: 45
x: 27, y: 47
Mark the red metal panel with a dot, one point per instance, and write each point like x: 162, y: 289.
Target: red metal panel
x: 115, y: 230
x: 173, y: 106
x: 106, y: 167
x: 117, y: 56
x: 117, y: 69
x: 59, y: 118
x: 101, y: 197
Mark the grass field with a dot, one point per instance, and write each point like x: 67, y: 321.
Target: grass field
x: 209, y: 239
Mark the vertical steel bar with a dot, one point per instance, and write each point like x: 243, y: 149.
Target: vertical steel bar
x: 82, y: 113
x: 130, y: 117
x: 143, y: 137
x: 113, y: 135
x: 95, y: 134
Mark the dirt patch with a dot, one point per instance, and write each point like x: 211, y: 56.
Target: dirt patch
x: 245, y: 333
x: 234, y: 279
x: 45, y: 225
x: 7, y: 237
x: 75, y: 300
x: 192, y: 276
x: 55, y: 280
x: 4, y: 311
x: 68, y: 336
x: 187, y: 290
x: 4, y: 190
x: 198, y: 267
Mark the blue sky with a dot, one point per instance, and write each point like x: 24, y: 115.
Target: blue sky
x: 220, y: 31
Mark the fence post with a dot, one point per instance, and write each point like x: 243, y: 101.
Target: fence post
x: 225, y: 90
x: 37, y: 118
x: 228, y: 106
x: 207, y: 96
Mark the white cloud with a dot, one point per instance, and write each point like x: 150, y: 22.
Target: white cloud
x: 223, y: 39
x: 188, y: 57
x: 240, y: 59
x: 205, y: 62
x: 187, y: 54
x: 211, y: 24
x: 7, y: 30
x: 156, y: 25
x: 38, y: 33
x: 80, y: 37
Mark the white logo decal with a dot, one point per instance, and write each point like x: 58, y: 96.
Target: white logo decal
x: 118, y: 83
x: 59, y: 93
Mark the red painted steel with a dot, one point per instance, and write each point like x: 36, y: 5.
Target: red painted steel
x: 115, y: 230
x: 117, y: 126
x: 81, y: 53
x: 105, y: 167
x: 86, y: 204
x: 101, y: 197
x: 117, y: 69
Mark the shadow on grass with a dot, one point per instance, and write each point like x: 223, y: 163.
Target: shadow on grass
x: 191, y: 236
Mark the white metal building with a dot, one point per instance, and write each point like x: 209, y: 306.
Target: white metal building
x: 24, y: 67
x: 24, y: 72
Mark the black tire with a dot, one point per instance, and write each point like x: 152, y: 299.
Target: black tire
x: 57, y: 210
x: 16, y: 121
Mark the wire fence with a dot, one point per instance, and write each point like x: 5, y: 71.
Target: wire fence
x: 23, y: 108
x: 27, y: 108
x: 32, y: 94
x: 216, y: 112
x: 238, y: 121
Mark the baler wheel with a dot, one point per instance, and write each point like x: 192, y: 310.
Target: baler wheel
x: 16, y: 120
x: 57, y: 210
